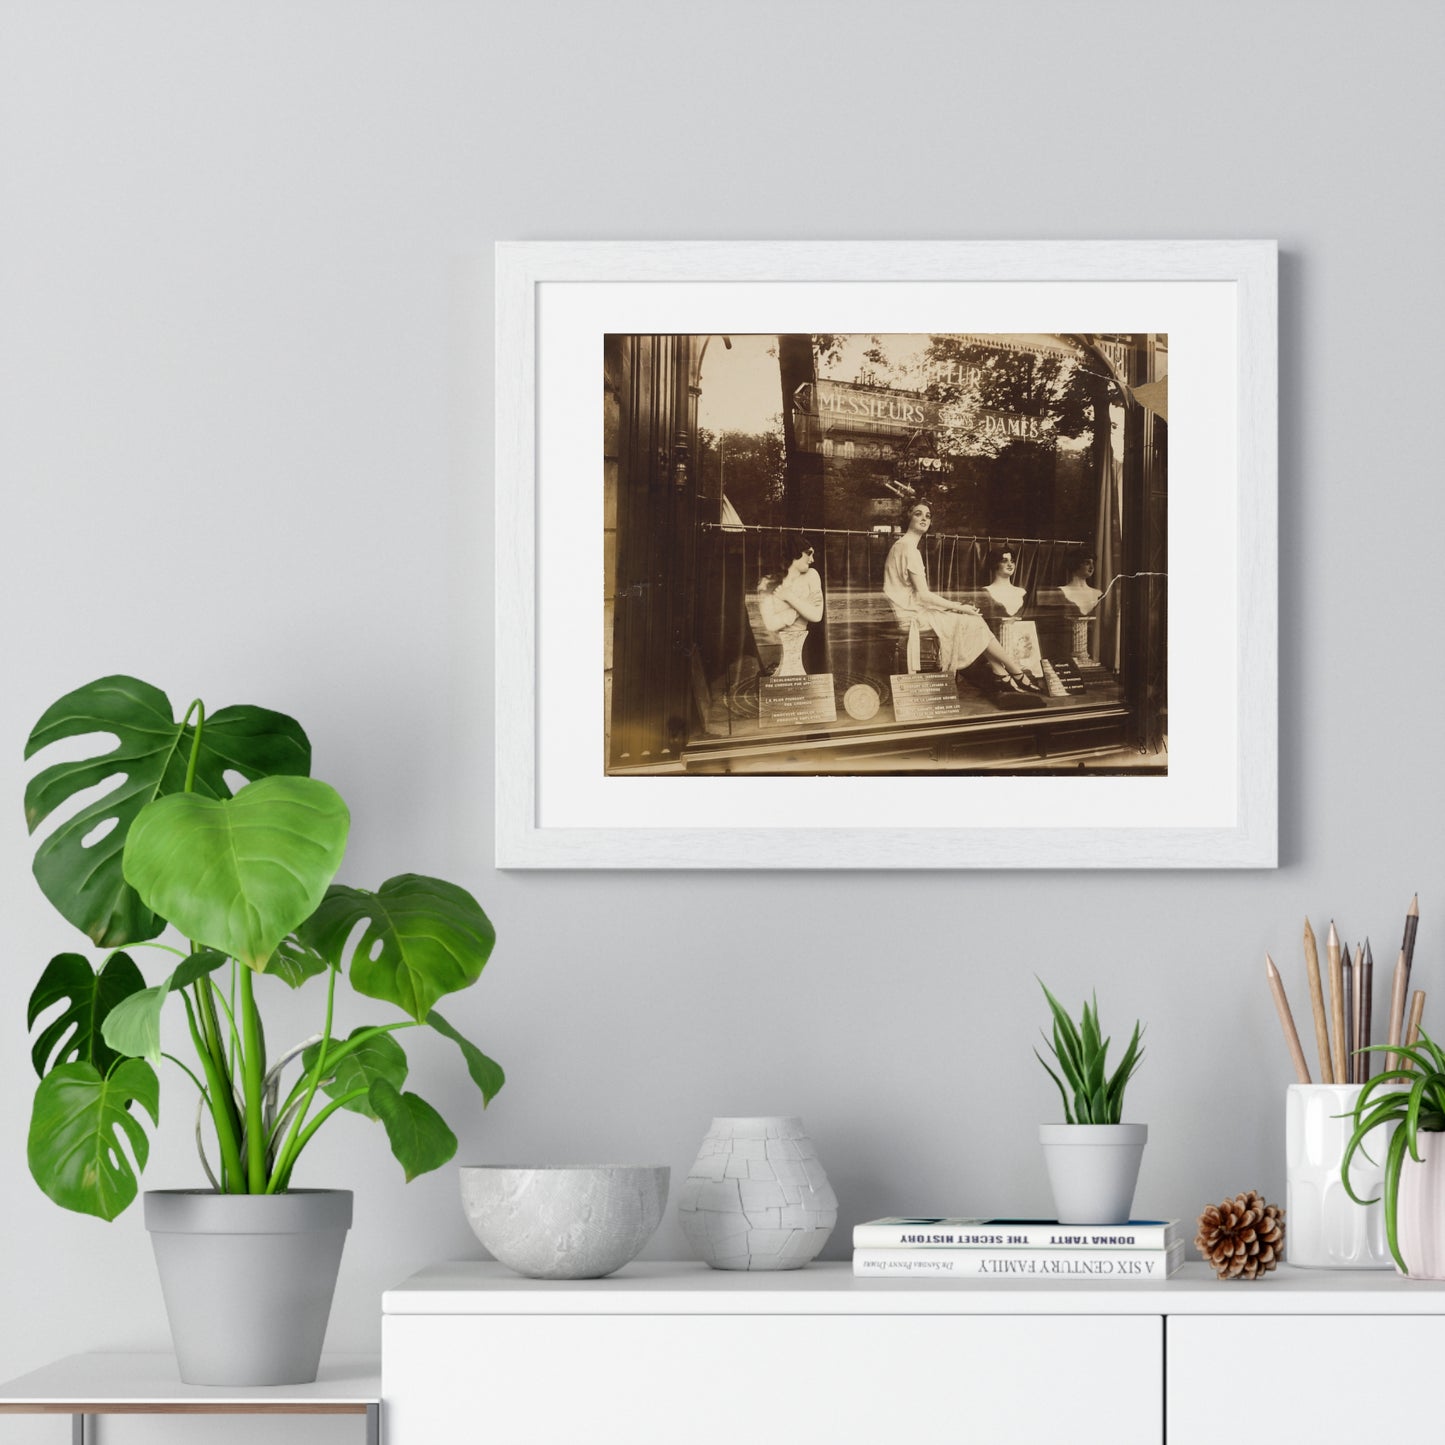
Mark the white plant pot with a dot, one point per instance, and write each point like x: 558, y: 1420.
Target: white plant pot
x: 1420, y: 1210
x: 1093, y: 1169
x: 248, y: 1280
x: 1324, y: 1227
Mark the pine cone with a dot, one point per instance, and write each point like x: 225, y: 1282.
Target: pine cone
x: 1241, y: 1237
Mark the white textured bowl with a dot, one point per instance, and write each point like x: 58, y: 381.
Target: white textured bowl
x: 564, y: 1222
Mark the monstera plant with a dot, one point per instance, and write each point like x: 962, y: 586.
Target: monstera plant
x: 246, y: 877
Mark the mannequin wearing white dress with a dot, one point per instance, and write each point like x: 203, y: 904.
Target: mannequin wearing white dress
x: 963, y: 635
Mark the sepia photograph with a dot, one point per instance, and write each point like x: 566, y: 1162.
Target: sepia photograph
x: 857, y: 554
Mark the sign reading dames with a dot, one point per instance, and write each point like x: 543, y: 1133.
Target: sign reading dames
x: 846, y: 408
x: 785, y: 702
x: 924, y: 696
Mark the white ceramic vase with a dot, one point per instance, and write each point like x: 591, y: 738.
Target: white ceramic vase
x: 1420, y: 1210
x: 1324, y: 1227
x: 757, y: 1196
x: 1093, y: 1169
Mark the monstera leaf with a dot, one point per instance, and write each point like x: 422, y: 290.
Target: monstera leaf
x: 418, y: 1135
x: 486, y: 1073
x: 239, y: 874
x: 75, y: 1035
x: 152, y: 751
x: 133, y: 1027
x: 294, y: 962
x: 423, y: 938
x: 379, y: 1057
x: 78, y: 1127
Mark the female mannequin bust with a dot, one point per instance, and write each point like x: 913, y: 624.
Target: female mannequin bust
x: 1002, y: 564
x: 1080, y: 589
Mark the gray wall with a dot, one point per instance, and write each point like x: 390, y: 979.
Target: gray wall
x: 244, y: 437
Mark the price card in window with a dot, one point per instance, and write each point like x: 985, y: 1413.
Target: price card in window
x: 924, y: 696
x: 786, y: 702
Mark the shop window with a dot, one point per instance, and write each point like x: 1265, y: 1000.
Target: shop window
x: 896, y: 539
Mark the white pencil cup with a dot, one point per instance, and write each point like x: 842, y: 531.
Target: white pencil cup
x: 1324, y: 1227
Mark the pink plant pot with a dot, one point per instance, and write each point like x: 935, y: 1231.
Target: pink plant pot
x: 1420, y: 1210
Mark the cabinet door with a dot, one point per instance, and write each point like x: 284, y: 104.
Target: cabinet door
x: 1286, y: 1377
x: 774, y: 1380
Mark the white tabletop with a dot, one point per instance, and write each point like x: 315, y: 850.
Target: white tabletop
x: 345, y: 1384
x: 475, y: 1287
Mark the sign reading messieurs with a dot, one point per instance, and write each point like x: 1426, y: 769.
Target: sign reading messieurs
x: 840, y: 403
x: 842, y: 406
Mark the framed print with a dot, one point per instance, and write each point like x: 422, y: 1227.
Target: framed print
x: 835, y: 555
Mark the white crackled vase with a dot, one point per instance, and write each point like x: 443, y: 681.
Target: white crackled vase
x: 757, y: 1196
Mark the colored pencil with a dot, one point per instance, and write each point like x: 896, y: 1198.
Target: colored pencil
x: 1417, y: 1014
x: 1367, y: 1012
x: 1337, y: 1004
x: 1397, y: 1011
x: 1317, y: 1003
x: 1407, y: 945
x: 1347, y: 992
x: 1286, y: 1021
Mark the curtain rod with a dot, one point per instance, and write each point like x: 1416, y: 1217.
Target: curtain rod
x: 854, y: 532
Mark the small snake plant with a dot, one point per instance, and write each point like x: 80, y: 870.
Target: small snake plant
x: 1081, y: 1053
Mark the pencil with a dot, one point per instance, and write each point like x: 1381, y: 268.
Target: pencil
x: 1367, y: 1009
x: 1337, y: 1004
x: 1317, y: 1002
x: 1347, y: 993
x: 1407, y: 945
x: 1286, y: 1021
x: 1397, y: 1011
x: 1357, y: 1074
x: 1417, y: 1011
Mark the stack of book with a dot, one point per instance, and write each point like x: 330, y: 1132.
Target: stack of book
x: 1016, y: 1249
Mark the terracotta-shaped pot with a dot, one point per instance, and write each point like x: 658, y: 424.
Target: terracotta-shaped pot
x: 1093, y: 1169
x: 248, y: 1280
x: 1420, y: 1212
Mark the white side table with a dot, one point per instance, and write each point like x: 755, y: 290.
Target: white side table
x: 149, y: 1384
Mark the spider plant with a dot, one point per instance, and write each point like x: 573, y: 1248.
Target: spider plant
x: 1410, y: 1096
x: 1081, y: 1052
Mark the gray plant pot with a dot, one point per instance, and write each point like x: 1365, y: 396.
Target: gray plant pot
x: 248, y: 1280
x: 1093, y: 1169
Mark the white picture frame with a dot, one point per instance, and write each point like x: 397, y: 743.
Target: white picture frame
x: 554, y: 806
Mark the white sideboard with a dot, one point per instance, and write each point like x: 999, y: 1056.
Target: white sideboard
x: 679, y: 1352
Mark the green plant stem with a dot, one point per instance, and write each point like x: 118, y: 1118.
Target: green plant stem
x: 222, y: 1105
x: 201, y: 1088
x: 164, y: 947
x: 198, y: 710
x: 214, y: 1052
x: 228, y: 1008
x: 253, y: 1074
x: 284, y: 1179
x: 286, y: 1157
x: 231, y: 1010
x: 344, y: 1050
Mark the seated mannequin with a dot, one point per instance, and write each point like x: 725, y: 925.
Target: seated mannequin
x: 787, y: 608
x: 963, y: 635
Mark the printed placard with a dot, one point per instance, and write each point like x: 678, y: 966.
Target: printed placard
x: 786, y: 702
x: 1068, y: 674
x: 924, y: 696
